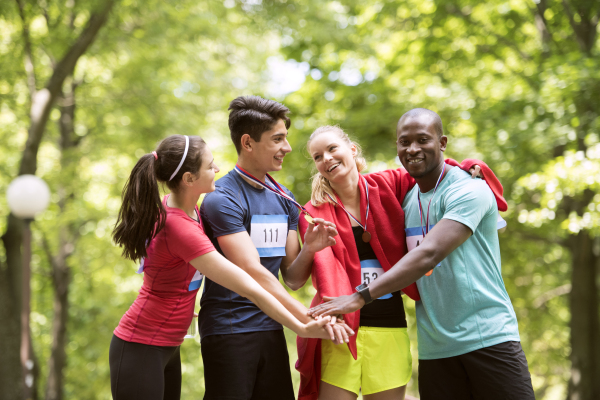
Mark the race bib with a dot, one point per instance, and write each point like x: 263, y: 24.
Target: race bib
x: 269, y: 234
x: 414, y: 237
x: 501, y: 222
x: 371, y: 270
x: 196, y: 281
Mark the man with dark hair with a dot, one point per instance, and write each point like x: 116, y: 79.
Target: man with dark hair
x: 424, y: 113
x: 252, y: 221
x: 254, y: 115
x: 469, y: 345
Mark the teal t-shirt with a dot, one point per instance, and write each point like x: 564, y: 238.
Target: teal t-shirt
x: 464, y: 305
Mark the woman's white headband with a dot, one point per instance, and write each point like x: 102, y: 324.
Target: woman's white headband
x: 187, y: 146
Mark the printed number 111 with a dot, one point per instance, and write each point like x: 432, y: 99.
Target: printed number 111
x: 271, y: 232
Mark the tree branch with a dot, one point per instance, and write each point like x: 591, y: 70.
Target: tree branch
x: 48, y: 251
x: 49, y: 54
x: 29, y: 66
x: 44, y: 8
x: 542, y: 25
x: 44, y: 99
x: 569, y: 12
x: 71, y: 4
x: 550, y: 294
x: 66, y: 65
x: 580, y: 33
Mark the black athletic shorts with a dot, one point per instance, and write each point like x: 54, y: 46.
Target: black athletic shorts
x: 247, y: 366
x: 497, y: 372
x: 144, y: 372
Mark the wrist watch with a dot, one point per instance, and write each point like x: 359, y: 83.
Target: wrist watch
x: 363, y: 290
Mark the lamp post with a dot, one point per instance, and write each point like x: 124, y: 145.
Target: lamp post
x: 27, y: 196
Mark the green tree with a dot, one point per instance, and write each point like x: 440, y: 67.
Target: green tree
x: 44, y: 87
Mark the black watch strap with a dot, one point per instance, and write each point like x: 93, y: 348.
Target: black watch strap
x: 363, y: 290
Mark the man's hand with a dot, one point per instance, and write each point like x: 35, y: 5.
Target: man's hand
x: 319, y: 235
x: 338, y: 305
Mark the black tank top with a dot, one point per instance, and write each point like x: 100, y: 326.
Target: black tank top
x: 381, y: 313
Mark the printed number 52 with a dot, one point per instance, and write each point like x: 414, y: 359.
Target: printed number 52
x: 367, y: 277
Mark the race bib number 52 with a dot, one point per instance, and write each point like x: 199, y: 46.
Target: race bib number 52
x: 269, y: 234
x: 371, y: 270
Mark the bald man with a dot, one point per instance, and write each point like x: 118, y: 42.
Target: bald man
x: 469, y: 344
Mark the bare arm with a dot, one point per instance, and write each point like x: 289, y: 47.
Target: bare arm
x: 296, y: 266
x: 220, y: 270
x: 442, y: 240
x: 239, y: 249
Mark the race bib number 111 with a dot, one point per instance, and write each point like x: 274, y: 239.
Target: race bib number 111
x: 269, y: 234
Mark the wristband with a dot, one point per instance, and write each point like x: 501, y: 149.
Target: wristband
x: 363, y: 290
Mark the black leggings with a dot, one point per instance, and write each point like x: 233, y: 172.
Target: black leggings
x: 141, y: 371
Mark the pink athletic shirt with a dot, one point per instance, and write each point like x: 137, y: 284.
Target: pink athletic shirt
x: 164, y: 307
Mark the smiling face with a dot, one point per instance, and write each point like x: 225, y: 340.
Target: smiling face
x: 204, y: 180
x: 267, y: 154
x: 419, y: 146
x: 334, y: 157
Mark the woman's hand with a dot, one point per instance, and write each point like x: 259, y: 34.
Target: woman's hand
x: 327, y: 328
x: 338, y: 330
x: 319, y: 235
x: 476, y: 172
x: 315, y: 329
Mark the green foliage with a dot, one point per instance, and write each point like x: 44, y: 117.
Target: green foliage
x: 512, y: 88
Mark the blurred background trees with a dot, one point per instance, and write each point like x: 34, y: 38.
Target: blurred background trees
x: 517, y: 84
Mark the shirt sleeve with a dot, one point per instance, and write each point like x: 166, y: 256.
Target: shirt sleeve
x: 223, y: 213
x: 186, y: 239
x: 469, y: 204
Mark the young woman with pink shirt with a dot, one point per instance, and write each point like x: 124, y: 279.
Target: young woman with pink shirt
x: 168, y: 238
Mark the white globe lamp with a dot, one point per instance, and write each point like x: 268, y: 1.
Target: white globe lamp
x: 27, y: 196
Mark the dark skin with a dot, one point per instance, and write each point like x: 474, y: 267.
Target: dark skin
x: 420, y: 150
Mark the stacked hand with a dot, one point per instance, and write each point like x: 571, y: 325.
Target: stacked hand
x: 327, y: 328
x: 337, y: 329
x: 337, y: 305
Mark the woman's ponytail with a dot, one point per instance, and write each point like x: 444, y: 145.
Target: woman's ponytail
x: 142, y: 214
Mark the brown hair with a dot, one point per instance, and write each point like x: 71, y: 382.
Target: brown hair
x: 320, y: 185
x: 142, y: 214
x: 254, y: 115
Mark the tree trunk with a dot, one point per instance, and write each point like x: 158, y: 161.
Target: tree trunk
x: 585, y: 320
x: 10, y: 308
x: 61, y: 272
x: 11, y: 379
x: 58, y: 358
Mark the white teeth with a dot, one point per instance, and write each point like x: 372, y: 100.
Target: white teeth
x: 332, y: 167
x: 415, y: 161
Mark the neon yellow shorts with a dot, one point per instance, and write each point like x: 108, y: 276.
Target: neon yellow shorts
x: 383, y: 361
